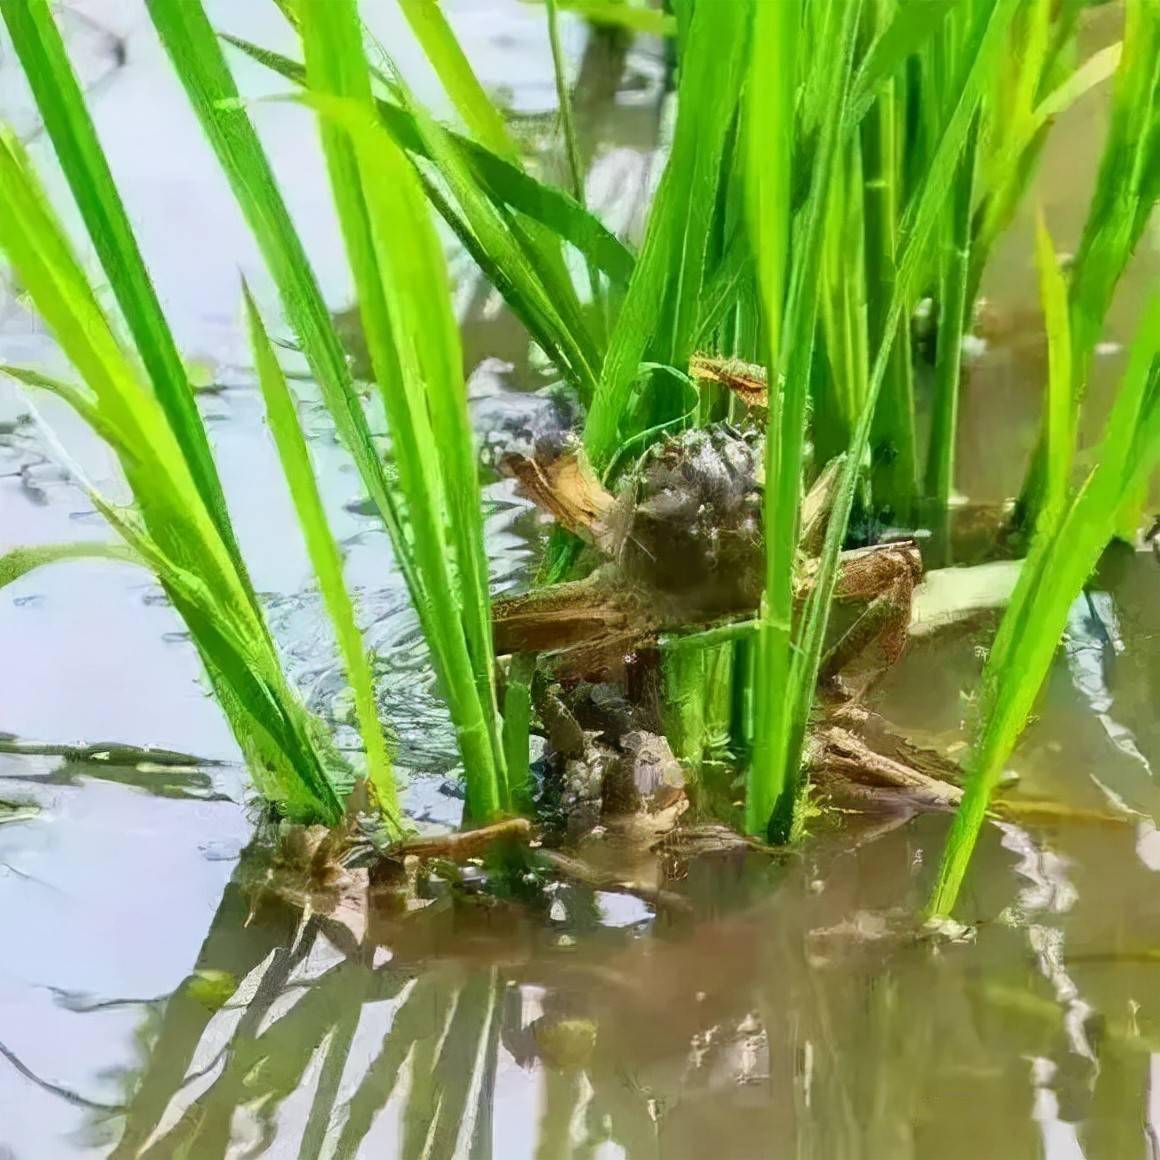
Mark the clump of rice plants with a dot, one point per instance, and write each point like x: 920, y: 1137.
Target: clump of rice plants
x: 1072, y: 526
x: 431, y: 507
x: 145, y: 412
x: 834, y: 163
x: 1070, y: 537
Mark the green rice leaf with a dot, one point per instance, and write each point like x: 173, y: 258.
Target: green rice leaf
x: 770, y: 121
x: 980, y: 55
x: 56, y: 284
x: 530, y: 255
x: 1127, y: 185
x: 405, y: 302
x: 176, y: 533
x: 791, y: 668
x: 1063, y: 555
x: 287, y: 759
x: 282, y: 417
x: 289, y: 10
x: 661, y: 310
x: 76, y: 397
x: 20, y: 561
x: 1098, y: 68
x: 197, y: 58
x: 784, y: 663
x: 915, y: 23
x: 954, y: 309
x: 533, y: 275
x: 1060, y: 409
x: 60, y: 102
x: 482, y: 118
x: 539, y: 286
x: 1126, y: 192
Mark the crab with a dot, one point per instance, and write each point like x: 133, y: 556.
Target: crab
x: 678, y: 548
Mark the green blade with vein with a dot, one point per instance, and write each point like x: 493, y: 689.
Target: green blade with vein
x: 172, y: 529
x: 19, y: 562
x: 197, y: 59
x: 326, y: 559
x: 60, y: 102
x: 1063, y: 555
x: 404, y: 297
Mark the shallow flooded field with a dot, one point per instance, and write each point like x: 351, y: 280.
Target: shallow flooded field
x: 757, y: 1006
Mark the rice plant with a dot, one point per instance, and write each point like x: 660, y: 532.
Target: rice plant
x: 1073, y: 526
x: 833, y: 164
x: 180, y: 528
x: 326, y: 558
x: 1127, y: 188
x: 431, y: 505
x: 910, y: 209
x: 1070, y: 537
x: 791, y: 646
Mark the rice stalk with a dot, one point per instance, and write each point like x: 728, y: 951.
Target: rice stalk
x: 838, y: 379
x: 281, y: 414
x: 787, y: 672
x: 659, y: 320
x: 953, y: 318
x: 1060, y: 411
x: 1063, y: 555
x: 405, y: 302
x: 1127, y: 189
x: 683, y: 695
x: 431, y: 508
x: 770, y: 794
x: 173, y: 528
x: 893, y: 438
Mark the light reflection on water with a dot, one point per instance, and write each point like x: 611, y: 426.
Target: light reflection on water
x: 795, y: 1015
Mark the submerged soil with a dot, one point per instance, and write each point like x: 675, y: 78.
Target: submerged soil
x: 152, y: 1002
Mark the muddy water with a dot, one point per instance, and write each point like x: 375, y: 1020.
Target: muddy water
x: 789, y: 1012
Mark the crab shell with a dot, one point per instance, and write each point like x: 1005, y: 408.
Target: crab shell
x: 688, y: 521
